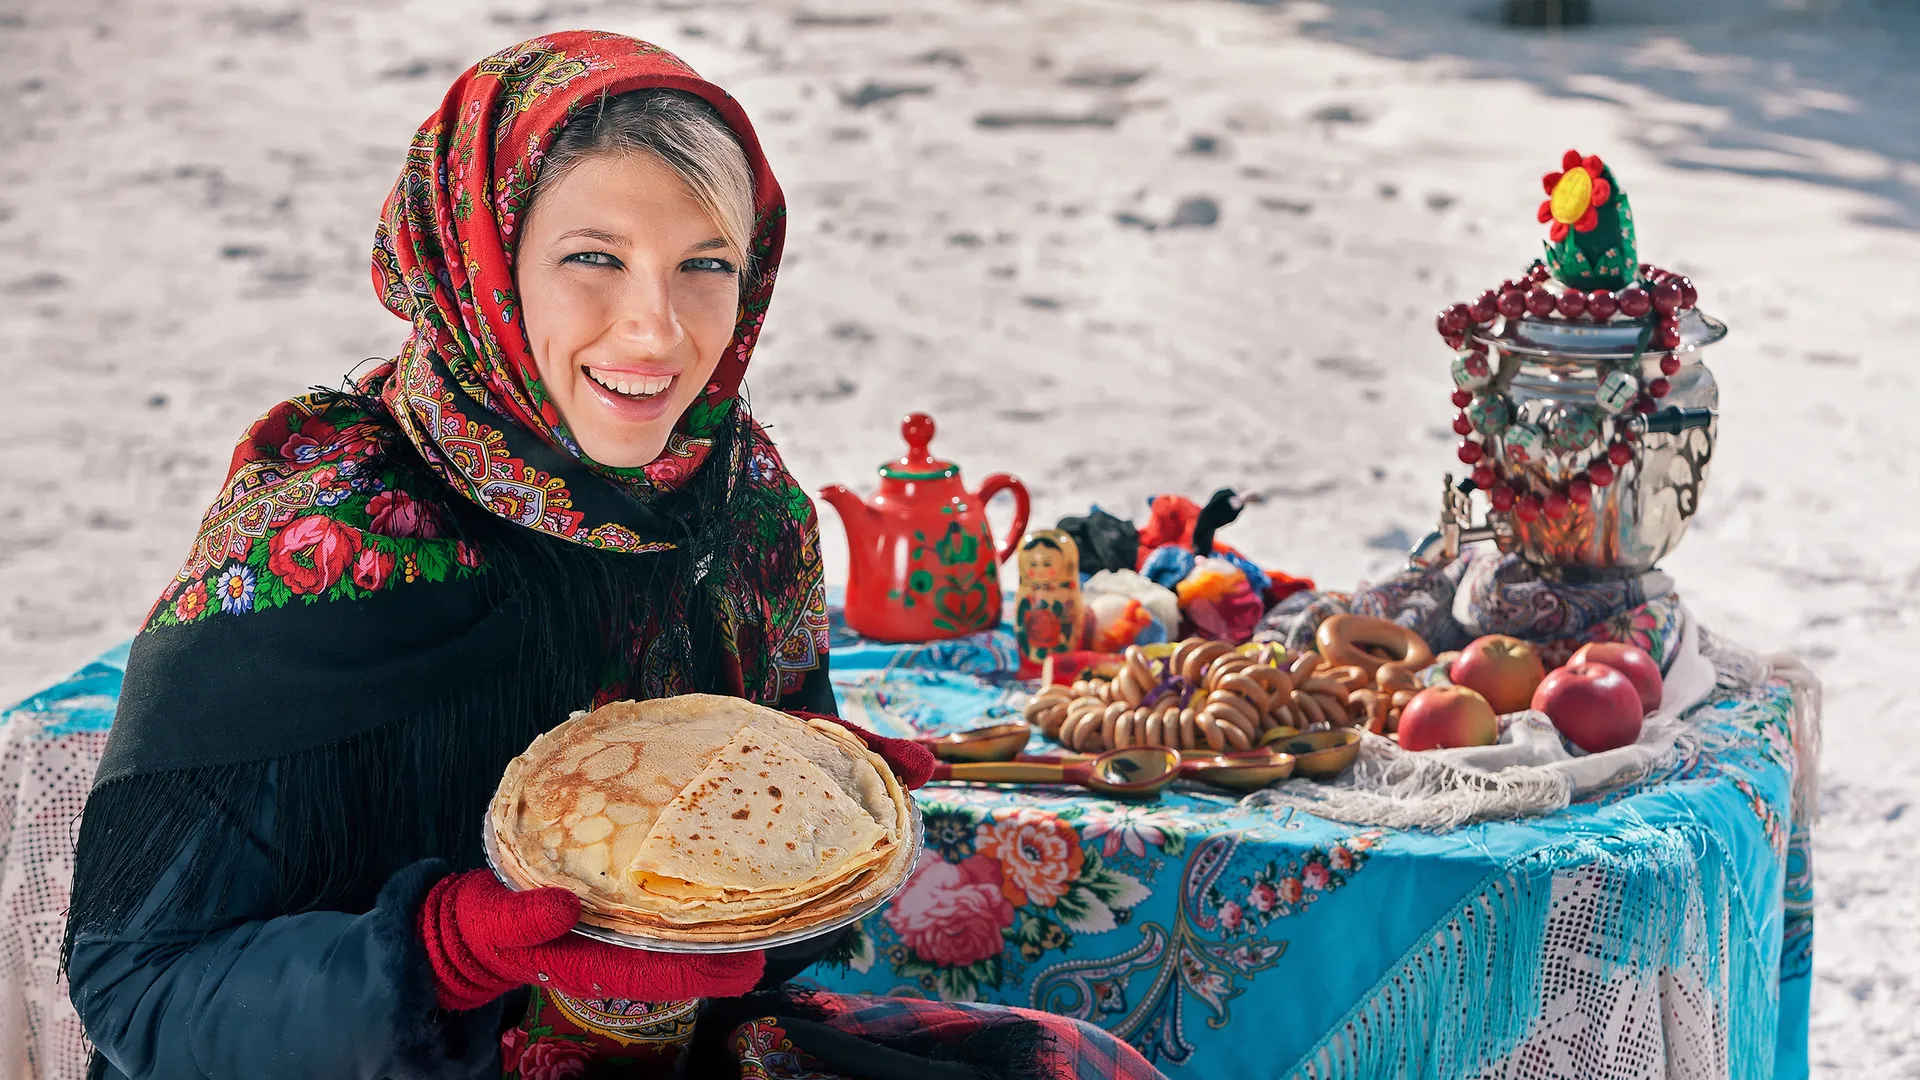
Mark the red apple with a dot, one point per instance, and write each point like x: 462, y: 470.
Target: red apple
x: 1504, y: 670
x: 1447, y: 716
x: 1630, y: 660
x: 1591, y: 704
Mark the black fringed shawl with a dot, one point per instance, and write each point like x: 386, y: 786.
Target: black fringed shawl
x: 379, y: 725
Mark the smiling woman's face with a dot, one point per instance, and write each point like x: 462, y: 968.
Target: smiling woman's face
x: 629, y: 293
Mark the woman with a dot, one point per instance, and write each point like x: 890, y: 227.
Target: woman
x: 551, y: 499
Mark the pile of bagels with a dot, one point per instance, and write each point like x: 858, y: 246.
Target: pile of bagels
x: 1202, y: 694
x: 1379, y: 663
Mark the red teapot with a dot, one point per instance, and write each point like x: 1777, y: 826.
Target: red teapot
x: 922, y: 562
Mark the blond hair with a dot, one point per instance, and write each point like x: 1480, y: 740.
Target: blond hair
x: 680, y: 130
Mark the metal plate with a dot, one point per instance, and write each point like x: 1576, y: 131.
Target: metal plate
x: 916, y: 834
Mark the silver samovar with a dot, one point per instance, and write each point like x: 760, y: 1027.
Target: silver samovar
x: 1630, y: 524
x: 1585, y: 411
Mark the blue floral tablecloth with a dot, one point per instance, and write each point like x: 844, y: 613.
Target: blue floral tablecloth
x: 1229, y: 941
x: 1664, y: 929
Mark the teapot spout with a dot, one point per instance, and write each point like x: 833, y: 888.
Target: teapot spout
x: 854, y: 512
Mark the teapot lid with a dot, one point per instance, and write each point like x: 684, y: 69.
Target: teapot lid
x: 918, y: 464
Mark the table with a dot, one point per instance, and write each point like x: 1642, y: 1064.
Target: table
x: 1665, y: 929
x: 1660, y: 930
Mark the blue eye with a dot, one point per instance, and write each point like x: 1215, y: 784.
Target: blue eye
x: 593, y: 258
x: 708, y: 266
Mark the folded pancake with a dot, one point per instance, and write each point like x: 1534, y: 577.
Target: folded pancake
x: 760, y: 819
x: 609, y: 803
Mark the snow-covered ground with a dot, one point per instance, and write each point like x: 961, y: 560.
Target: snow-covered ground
x: 988, y: 223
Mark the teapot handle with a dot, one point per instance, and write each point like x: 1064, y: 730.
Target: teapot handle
x: 992, y: 486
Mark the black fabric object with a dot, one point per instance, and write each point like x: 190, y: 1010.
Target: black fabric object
x: 388, y: 721
x: 1105, y: 542
x: 1223, y: 508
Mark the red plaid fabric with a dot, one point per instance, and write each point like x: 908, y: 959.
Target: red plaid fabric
x: 564, y: 1039
x: 1081, y: 1050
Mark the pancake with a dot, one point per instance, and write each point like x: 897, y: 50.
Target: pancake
x: 609, y: 804
x: 879, y: 882
x: 791, y: 827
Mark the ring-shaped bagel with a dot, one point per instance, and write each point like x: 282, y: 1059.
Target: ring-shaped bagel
x: 1206, y: 653
x: 1252, y: 690
x: 1205, y: 725
x: 1303, y: 666
x: 1236, y: 736
x: 1141, y: 668
x: 1351, y: 676
x: 1393, y: 677
x: 1344, y: 640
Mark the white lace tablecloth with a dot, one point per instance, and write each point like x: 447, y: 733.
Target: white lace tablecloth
x: 50, y: 746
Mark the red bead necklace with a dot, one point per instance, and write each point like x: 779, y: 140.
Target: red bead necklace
x: 1654, y: 302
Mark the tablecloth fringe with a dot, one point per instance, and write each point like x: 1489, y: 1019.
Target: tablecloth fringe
x: 1469, y: 993
x: 1398, y: 790
x: 1808, y: 695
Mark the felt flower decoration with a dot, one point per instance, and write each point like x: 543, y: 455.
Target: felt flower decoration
x: 1574, y: 195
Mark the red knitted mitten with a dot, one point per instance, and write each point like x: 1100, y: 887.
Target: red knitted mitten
x: 910, y: 761
x: 483, y: 939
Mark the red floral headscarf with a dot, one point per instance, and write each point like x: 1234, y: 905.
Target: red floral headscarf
x: 308, y: 511
x: 465, y: 389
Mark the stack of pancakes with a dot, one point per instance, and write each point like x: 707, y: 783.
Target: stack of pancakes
x: 702, y: 819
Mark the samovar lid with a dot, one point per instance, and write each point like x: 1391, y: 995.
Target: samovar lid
x: 1566, y: 340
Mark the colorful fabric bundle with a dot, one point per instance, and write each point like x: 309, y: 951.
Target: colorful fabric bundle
x: 1220, y: 596
x: 1178, y: 527
x: 1485, y: 592
x: 1210, y: 580
x: 1220, y: 600
x: 1171, y: 520
x: 1128, y: 609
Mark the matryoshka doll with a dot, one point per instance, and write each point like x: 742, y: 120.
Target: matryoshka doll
x: 1047, y: 612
